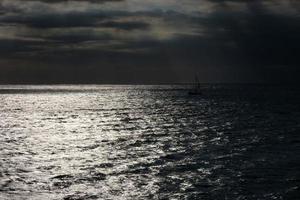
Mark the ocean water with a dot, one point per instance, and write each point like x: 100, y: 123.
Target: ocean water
x: 149, y: 142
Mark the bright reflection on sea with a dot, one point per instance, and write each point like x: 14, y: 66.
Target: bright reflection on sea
x: 147, y: 142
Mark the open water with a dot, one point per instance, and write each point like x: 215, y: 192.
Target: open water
x: 149, y: 142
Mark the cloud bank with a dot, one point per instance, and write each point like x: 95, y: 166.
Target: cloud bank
x: 134, y: 41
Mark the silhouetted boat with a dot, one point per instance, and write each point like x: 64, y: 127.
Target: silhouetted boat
x: 196, y: 90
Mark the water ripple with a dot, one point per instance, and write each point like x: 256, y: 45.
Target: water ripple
x: 148, y: 142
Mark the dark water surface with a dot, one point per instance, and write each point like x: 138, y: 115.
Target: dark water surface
x: 149, y: 142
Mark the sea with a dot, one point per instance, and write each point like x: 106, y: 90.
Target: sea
x: 119, y: 142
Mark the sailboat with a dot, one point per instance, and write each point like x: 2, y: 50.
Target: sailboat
x: 196, y: 88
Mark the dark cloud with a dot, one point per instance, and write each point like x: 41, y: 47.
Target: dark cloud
x: 10, y: 47
x: 73, y: 19
x: 76, y: 19
x: 48, y: 20
x: 125, y: 25
x: 247, y: 41
x: 79, y: 37
x: 59, y: 1
x: 266, y: 38
x: 60, y: 20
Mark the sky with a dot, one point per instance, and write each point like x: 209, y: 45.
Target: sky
x: 149, y: 41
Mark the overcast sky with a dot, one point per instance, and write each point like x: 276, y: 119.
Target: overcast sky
x: 149, y: 41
